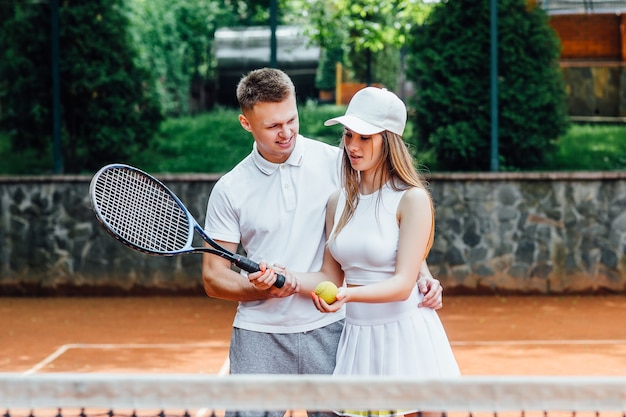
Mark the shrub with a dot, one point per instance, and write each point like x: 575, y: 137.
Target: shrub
x: 449, y: 62
x: 109, y: 109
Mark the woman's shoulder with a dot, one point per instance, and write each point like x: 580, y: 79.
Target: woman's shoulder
x: 414, y: 195
x: 333, y: 199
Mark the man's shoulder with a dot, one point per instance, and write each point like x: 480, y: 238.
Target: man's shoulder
x: 241, y: 169
x: 239, y: 174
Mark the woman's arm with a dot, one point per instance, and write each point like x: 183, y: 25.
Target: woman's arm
x: 330, y: 270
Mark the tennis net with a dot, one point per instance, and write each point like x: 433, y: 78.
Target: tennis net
x: 86, y: 394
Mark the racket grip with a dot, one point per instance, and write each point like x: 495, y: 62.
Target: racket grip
x: 280, y: 280
x: 251, y: 266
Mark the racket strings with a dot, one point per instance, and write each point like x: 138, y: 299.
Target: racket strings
x: 141, y: 211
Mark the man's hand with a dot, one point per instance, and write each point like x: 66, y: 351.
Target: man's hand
x: 431, y: 288
x: 266, y: 277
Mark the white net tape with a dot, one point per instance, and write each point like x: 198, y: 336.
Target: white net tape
x: 312, y: 392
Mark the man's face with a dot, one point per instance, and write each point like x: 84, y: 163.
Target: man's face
x: 274, y: 127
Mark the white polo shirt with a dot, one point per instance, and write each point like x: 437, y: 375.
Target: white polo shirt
x: 277, y: 212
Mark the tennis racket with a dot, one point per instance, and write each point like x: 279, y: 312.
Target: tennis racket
x: 143, y: 214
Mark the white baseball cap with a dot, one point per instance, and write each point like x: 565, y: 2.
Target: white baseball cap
x: 373, y: 110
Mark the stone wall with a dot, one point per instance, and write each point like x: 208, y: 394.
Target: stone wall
x: 495, y: 233
x: 530, y: 233
x: 52, y: 244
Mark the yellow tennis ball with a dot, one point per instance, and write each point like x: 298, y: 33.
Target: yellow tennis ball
x: 327, y: 291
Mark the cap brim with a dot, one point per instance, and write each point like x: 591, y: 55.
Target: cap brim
x: 355, y: 124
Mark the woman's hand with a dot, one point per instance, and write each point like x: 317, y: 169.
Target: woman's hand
x: 432, y: 290
x: 324, y: 307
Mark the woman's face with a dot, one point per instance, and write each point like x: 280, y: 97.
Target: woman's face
x: 364, y: 151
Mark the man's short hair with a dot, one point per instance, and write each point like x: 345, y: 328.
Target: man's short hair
x: 265, y: 85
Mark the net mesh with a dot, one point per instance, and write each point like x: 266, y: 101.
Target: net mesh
x: 202, y: 395
x: 140, y: 210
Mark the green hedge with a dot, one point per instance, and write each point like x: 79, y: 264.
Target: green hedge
x: 214, y: 142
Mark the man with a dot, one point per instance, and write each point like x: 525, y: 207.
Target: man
x: 273, y: 203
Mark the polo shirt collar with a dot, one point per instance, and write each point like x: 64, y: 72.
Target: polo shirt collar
x: 268, y: 168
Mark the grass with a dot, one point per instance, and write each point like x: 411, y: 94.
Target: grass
x: 27, y: 162
x: 214, y: 142
x: 591, y: 147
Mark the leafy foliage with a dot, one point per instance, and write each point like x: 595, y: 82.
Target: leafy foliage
x: 448, y: 60
x: 109, y: 111
x: 174, y: 39
x: 325, y: 77
x: 25, y: 75
x: 368, y: 33
x: 256, y: 12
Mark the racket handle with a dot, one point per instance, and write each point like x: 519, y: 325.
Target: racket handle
x: 251, y: 266
x: 280, y: 280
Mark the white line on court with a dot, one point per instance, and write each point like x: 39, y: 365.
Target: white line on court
x: 64, y: 348
x: 203, y: 412
x: 224, y: 369
x: 537, y: 342
x: 48, y: 360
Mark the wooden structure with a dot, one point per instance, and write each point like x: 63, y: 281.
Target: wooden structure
x: 593, y: 55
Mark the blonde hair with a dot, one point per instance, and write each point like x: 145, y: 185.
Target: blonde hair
x: 396, y: 166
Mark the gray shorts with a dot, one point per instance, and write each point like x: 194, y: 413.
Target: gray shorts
x: 311, y: 352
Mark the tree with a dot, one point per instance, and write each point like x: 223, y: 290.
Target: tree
x: 174, y: 39
x: 370, y: 32
x: 109, y: 109
x: 25, y: 75
x: 448, y: 62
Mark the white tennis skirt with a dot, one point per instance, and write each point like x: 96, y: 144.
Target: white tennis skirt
x: 395, y: 339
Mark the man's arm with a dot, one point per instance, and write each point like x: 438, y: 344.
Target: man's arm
x: 431, y: 288
x: 220, y: 281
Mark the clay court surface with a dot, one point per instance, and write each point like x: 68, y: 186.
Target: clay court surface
x: 490, y: 335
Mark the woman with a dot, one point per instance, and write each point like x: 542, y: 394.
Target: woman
x: 381, y: 227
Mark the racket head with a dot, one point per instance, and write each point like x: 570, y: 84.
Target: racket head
x: 140, y: 211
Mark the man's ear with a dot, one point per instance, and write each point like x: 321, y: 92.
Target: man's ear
x: 244, y: 123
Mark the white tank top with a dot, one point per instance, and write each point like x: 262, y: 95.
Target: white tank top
x: 367, y: 247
